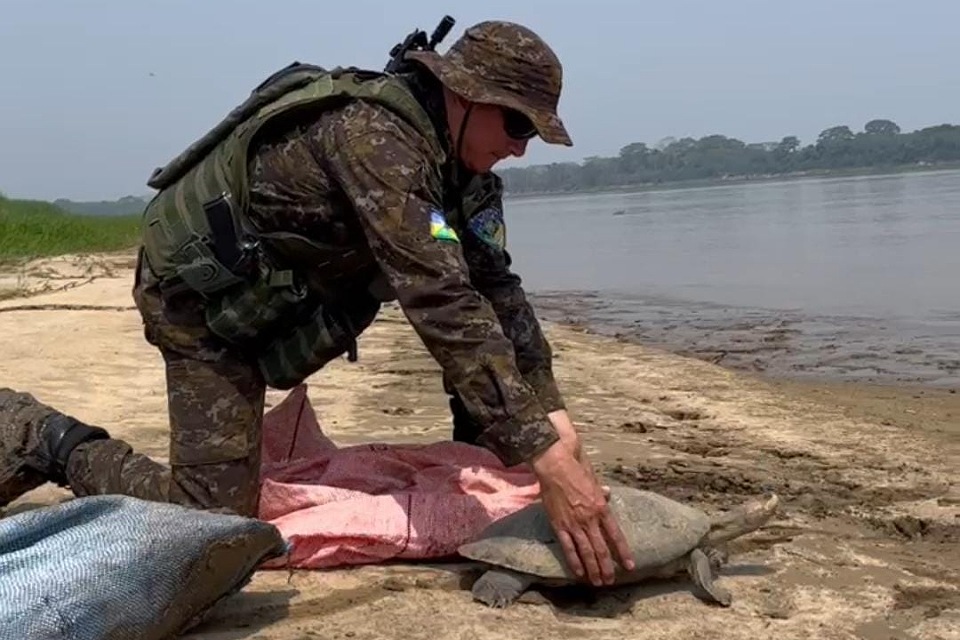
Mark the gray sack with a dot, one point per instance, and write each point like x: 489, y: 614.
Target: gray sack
x: 121, y: 568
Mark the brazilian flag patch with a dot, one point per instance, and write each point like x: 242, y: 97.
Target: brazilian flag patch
x: 439, y: 228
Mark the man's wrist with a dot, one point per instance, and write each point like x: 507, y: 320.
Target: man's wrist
x: 561, y: 421
x: 546, y: 460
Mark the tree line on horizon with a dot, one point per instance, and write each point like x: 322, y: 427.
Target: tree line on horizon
x: 125, y: 206
x: 880, y: 144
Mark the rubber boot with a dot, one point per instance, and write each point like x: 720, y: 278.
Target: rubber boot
x: 35, y: 443
x: 465, y: 428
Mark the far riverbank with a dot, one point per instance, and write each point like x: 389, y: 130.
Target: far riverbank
x: 735, y: 180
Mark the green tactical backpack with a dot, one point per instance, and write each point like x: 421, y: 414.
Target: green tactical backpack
x: 265, y: 291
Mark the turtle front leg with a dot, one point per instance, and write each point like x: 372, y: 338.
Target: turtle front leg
x: 499, y: 588
x: 701, y: 572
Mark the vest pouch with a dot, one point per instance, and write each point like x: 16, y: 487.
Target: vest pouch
x: 326, y: 334
x: 247, y: 315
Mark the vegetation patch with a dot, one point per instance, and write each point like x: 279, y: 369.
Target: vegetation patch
x: 34, y: 229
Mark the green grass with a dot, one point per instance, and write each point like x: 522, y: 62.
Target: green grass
x: 34, y: 229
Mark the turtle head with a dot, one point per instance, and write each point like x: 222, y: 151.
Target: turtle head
x: 743, y: 519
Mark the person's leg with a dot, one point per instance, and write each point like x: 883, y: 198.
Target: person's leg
x: 465, y: 428
x: 216, y: 410
x: 215, y: 400
x: 23, y: 456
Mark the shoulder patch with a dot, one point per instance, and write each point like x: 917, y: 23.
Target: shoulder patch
x: 439, y: 228
x: 488, y: 225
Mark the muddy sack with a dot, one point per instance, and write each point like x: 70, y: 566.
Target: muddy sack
x: 122, y: 568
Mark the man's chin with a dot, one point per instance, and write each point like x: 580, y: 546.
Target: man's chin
x: 485, y: 166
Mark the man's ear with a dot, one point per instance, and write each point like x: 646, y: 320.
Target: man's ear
x: 455, y: 99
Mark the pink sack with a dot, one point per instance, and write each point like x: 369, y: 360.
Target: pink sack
x: 374, y: 502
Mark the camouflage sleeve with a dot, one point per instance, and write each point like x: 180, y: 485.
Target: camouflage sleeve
x: 484, y: 249
x: 388, y: 173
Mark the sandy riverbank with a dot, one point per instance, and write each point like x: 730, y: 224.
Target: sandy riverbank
x: 866, y: 545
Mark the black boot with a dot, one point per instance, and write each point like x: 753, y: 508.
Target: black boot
x: 35, y: 442
x: 57, y: 437
x: 465, y: 428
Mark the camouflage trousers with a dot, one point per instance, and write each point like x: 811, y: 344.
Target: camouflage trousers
x: 215, y: 400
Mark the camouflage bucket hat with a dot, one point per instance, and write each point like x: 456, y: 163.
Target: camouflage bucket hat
x: 506, y: 64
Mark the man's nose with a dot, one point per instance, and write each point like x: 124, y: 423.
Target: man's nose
x: 518, y: 147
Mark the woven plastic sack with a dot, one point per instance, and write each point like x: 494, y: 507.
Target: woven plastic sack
x: 121, y: 568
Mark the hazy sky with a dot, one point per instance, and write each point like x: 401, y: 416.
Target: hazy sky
x: 98, y: 92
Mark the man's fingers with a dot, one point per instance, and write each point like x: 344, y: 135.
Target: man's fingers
x: 604, y: 559
x: 588, y: 556
x: 615, y: 534
x: 570, y: 551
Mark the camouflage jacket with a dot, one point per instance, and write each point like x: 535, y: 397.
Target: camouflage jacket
x: 360, y: 173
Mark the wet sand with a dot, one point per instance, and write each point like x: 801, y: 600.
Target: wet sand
x: 778, y: 344
x: 868, y: 368
x: 867, y: 544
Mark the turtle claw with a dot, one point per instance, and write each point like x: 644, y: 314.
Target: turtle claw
x: 499, y: 589
x: 701, y: 571
x: 717, y: 557
x: 492, y: 601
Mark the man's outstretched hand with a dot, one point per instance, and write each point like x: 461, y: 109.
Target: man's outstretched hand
x: 577, y: 507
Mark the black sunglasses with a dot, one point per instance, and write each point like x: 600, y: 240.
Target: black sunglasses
x: 517, y: 125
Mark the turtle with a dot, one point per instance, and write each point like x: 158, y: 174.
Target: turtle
x: 666, y: 538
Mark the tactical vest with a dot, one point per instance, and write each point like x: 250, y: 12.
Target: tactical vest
x: 210, y: 177
x: 264, y: 291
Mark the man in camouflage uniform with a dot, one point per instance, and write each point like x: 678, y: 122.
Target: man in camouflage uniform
x: 360, y: 174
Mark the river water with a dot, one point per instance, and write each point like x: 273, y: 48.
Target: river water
x: 850, y: 278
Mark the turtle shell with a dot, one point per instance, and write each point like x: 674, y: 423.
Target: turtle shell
x: 658, y: 530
